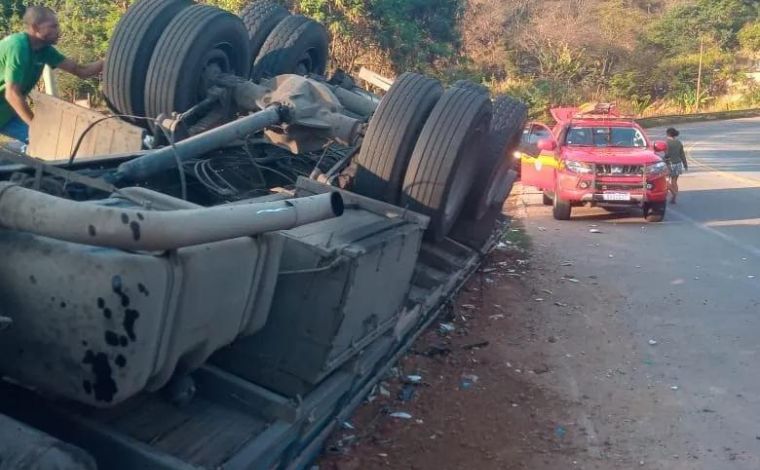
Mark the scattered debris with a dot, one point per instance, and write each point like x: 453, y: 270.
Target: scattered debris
x: 347, y: 425
x: 384, y: 391
x: 750, y: 277
x: 488, y: 270
x: 413, y: 379
x: 467, y: 381
x: 501, y: 246
x: 542, y: 229
x: 652, y: 342
x: 539, y: 299
x: 547, y: 292
x: 560, y: 432
x: 560, y: 304
x: 480, y: 344
x: 611, y: 255
x: 498, y: 316
x: 595, y: 230
x: 401, y: 415
x: 570, y: 279
x: 406, y: 393
x: 468, y: 307
x: 674, y: 387
x: 542, y: 369
x: 445, y: 328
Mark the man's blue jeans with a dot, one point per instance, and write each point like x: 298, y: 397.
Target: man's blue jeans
x: 16, y: 129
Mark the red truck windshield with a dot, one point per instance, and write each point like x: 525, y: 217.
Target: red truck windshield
x: 587, y: 136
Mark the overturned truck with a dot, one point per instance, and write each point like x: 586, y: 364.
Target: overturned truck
x: 218, y: 272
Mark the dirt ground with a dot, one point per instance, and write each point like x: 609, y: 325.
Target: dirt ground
x: 500, y: 390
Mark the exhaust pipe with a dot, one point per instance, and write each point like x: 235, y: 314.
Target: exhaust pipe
x: 27, y: 210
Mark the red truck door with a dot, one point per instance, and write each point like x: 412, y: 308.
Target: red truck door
x: 537, y: 166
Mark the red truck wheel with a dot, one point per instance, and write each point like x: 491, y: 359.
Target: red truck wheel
x: 561, y: 209
x: 654, y: 212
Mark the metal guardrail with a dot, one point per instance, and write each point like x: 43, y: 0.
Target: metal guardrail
x: 656, y: 121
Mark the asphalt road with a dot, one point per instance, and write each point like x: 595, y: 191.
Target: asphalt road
x: 692, y: 285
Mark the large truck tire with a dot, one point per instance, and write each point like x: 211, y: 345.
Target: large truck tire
x: 392, y: 134
x: 199, y: 36
x: 260, y: 18
x: 509, y: 117
x: 130, y: 51
x: 296, y: 45
x: 444, y: 162
x: 470, y: 85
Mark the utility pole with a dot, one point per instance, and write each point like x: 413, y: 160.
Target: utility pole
x: 699, y: 73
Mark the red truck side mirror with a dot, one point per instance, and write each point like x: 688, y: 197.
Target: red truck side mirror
x: 660, y: 146
x: 548, y: 145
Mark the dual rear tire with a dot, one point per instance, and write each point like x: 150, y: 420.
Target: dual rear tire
x: 163, y: 54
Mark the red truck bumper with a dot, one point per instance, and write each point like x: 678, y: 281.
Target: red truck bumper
x: 611, y: 190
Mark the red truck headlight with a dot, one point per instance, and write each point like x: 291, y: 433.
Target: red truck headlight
x: 578, y: 167
x: 657, y: 169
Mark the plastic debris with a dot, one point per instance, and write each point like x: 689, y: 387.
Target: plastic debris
x: 414, y: 379
x: 401, y: 415
x: 674, y: 387
x: 595, y: 230
x: 539, y: 299
x: 498, y: 316
x: 547, y: 292
x: 571, y: 279
x: 750, y: 277
x: 652, y: 342
x: 468, y: 306
x: 347, y: 425
x: 467, y: 381
x: 445, y: 328
x: 566, y: 263
x: 560, y: 432
x: 542, y: 229
x: 560, y: 304
x: 384, y: 392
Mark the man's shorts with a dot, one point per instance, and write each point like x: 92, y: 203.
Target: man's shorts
x: 16, y: 129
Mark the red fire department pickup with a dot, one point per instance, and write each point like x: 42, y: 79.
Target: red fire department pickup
x: 594, y: 157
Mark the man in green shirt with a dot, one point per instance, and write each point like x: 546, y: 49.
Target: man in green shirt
x: 22, y: 58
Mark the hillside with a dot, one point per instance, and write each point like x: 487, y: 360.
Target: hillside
x: 643, y: 53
